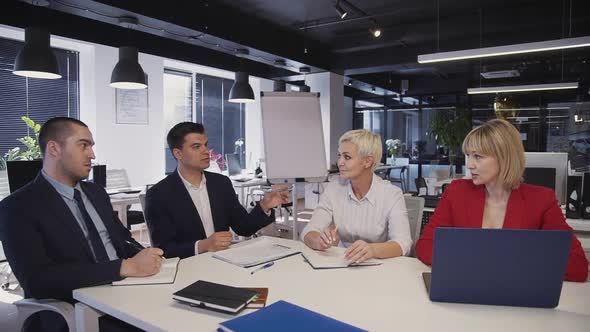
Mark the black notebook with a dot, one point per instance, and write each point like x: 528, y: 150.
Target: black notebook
x: 212, y: 296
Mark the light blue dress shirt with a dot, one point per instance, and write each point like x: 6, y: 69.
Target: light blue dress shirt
x: 67, y: 194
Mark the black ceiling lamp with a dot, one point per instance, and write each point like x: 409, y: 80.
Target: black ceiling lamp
x: 36, y: 59
x: 342, y: 13
x: 128, y: 73
x: 241, y: 91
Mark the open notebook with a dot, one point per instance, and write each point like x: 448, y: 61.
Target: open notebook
x: 166, y: 275
x: 332, y: 258
x: 255, y: 252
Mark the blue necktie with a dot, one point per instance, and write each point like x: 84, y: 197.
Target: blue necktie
x: 100, y: 253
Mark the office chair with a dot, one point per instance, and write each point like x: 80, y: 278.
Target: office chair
x: 28, y: 307
x: 401, y: 179
x: 421, y: 183
x: 118, y: 179
x: 415, y: 208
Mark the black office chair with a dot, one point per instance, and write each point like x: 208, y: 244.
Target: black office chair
x: 401, y: 179
x: 420, y: 183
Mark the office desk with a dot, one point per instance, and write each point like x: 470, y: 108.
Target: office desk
x: 120, y: 205
x: 246, y: 184
x: 388, y: 297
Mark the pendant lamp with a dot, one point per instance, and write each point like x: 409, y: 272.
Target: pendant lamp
x: 36, y: 59
x: 128, y: 73
x: 241, y: 91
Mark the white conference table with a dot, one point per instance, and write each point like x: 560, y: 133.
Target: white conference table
x: 388, y: 297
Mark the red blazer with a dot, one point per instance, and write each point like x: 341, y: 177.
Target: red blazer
x: 529, y: 207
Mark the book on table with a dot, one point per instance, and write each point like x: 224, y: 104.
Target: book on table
x: 216, y: 297
x: 167, y: 275
x: 256, y: 252
x: 259, y: 300
x: 286, y: 317
x: 332, y: 258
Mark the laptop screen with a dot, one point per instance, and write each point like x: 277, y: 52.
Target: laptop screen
x: 514, y: 267
x: 233, y: 164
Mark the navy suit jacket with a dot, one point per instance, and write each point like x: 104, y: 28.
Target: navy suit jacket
x: 45, y: 245
x: 175, y: 224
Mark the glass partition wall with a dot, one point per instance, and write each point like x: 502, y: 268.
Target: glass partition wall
x: 548, y: 121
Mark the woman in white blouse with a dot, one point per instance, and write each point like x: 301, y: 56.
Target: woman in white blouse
x: 361, y: 211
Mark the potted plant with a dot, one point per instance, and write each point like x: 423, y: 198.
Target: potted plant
x: 394, y: 147
x: 449, y: 128
x: 15, y: 158
x: 30, y: 142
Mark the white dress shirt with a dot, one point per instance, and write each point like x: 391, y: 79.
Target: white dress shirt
x: 380, y: 216
x: 200, y: 198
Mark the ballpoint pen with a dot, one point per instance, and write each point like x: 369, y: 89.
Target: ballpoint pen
x: 267, y: 265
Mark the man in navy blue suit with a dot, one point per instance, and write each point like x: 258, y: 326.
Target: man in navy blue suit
x: 60, y: 233
x: 191, y: 210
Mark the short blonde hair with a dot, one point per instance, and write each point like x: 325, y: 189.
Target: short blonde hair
x: 367, y: 143
x: 500, y: 139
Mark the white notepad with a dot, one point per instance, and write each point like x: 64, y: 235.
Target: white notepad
x: 256, y: 252
x: 331, y: 258
x: 166, y: 275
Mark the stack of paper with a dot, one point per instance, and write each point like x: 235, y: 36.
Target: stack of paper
x: 256, y: 252
x: 332, y: 258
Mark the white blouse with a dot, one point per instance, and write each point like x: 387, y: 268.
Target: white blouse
x: 380, y: 216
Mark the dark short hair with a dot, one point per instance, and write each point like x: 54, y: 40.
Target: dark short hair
x: 57, y: 129
x: 177, y: 134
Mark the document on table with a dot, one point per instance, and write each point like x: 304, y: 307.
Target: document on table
x: 332, y: 258
x: 166, y: 275
x: 255, y: 252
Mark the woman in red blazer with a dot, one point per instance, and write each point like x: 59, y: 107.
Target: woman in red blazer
x: 495, y: 197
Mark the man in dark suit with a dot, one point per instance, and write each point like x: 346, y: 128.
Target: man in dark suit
x: 59, y: 233
x: 191, y: 210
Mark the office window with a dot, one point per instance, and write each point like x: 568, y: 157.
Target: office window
x: 39, y: 99
x: 224, y: 121
x: 178, y: 106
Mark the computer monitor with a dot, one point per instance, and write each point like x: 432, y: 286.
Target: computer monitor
x: 540, y: 176
x: 99, y: 175
x: 556, y: 160
x: 233, y: 164
x: 22, y: 172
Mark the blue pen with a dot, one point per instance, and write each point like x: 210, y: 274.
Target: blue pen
x: 267, y: 265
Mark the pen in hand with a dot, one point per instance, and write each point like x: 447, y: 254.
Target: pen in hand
x: 267, y: 265
x: 135, y: 245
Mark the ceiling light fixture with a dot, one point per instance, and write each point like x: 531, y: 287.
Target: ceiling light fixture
x: 128, y: 73
x: 522, y: 88
x: 36, y: 59
x: 375, y: 30
x: 549, y: 45
x: 241, y: 91
x: 341, y: 12
x: 350, y: 83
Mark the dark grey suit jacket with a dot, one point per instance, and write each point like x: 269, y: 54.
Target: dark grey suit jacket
x: 45, y: 245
